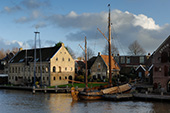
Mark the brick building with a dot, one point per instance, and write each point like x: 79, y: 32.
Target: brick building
x: 161, y: 62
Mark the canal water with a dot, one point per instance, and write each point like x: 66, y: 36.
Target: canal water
x: 14, y: 101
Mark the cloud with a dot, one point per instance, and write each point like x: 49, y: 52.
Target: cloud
x: 127, y: 27
x: 11, y: 9
x: 9, y: 44
x: 35, y: 14
x: 35, y: 4
x: 72, y: 20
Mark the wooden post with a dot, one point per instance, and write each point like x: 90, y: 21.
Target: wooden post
x: 33, y: 91
x: 110, y: 56
x: 56, y: 88
x: 45, y: 89
x: 86, y: 62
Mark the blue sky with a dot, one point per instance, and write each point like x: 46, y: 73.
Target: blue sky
x: 69, y: 21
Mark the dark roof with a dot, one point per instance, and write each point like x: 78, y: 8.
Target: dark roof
x: 81, y: 64
x: 90, y: 62
x: 46, y: 54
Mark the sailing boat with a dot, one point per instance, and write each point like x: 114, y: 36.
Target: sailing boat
x: 89, y: 94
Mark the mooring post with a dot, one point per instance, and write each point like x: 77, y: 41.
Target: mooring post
x: 45, y: 89
x: 56, y: 88
x: 33, y: 90
x: 67, y: 89
x: 146, y: 92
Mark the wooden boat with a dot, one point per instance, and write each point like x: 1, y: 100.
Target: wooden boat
x: 86, y: 95
x: 116, y: 92
x: 125, y: 88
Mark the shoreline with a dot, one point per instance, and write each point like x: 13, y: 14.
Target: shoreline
x: 135, y: 96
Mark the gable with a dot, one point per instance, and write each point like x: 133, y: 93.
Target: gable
x: 104, y: 60
x: 114, y: 64
x: 164, y: 46
x: 62, y: 54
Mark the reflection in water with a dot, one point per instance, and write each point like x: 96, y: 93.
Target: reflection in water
x: 12, y: 101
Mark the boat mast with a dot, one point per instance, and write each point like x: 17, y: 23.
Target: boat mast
x: 109, y: 43
x: 85, y: 51
x: 86, y: 62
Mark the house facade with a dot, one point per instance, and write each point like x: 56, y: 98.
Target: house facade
x: 100, y: 67
x: 54, y: 66
x: 161, y: 62
x: 134, y: 65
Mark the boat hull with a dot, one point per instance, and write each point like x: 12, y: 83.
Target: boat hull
x: 90, y: 95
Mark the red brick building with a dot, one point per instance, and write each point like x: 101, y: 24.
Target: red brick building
x: 161, y: 62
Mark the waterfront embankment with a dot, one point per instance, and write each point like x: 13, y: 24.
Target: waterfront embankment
x: 135, y: 96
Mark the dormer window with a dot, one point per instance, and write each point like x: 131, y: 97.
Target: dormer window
x: 21, y: 60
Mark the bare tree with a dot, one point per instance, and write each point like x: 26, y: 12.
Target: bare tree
x: 71, y: 52
x: 15, y: 50
x: 90, y: 53
x: 114, y: 50
x: 2, y: 54
x: 136, y: 49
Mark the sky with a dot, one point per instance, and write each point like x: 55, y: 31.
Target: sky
x: 69, y: 21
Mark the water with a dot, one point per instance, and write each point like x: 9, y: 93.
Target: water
x: 13, y: 101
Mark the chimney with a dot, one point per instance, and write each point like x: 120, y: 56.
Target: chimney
x: 20, y: 49
x: 99, y: 53
x: 62, y: 44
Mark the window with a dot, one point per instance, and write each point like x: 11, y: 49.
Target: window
x: 122, y: 59
x: 54, y: 69
x: 60, y: 78
x: 65, y: 77
x: 53, y: 78
x: 98, y: 66
x: 164, y: 57
x: 65, y: 68
x: 141, y: 59
x: 166, y: 70
x: 68, y: 59
x: 16, y: 78
x: 71, y: 68
x: 59, y: 69
x: 128, y: 60
x: 57, y: 59
x: 63, y: 59
x: 156, y: 69
x: 46, y: 69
